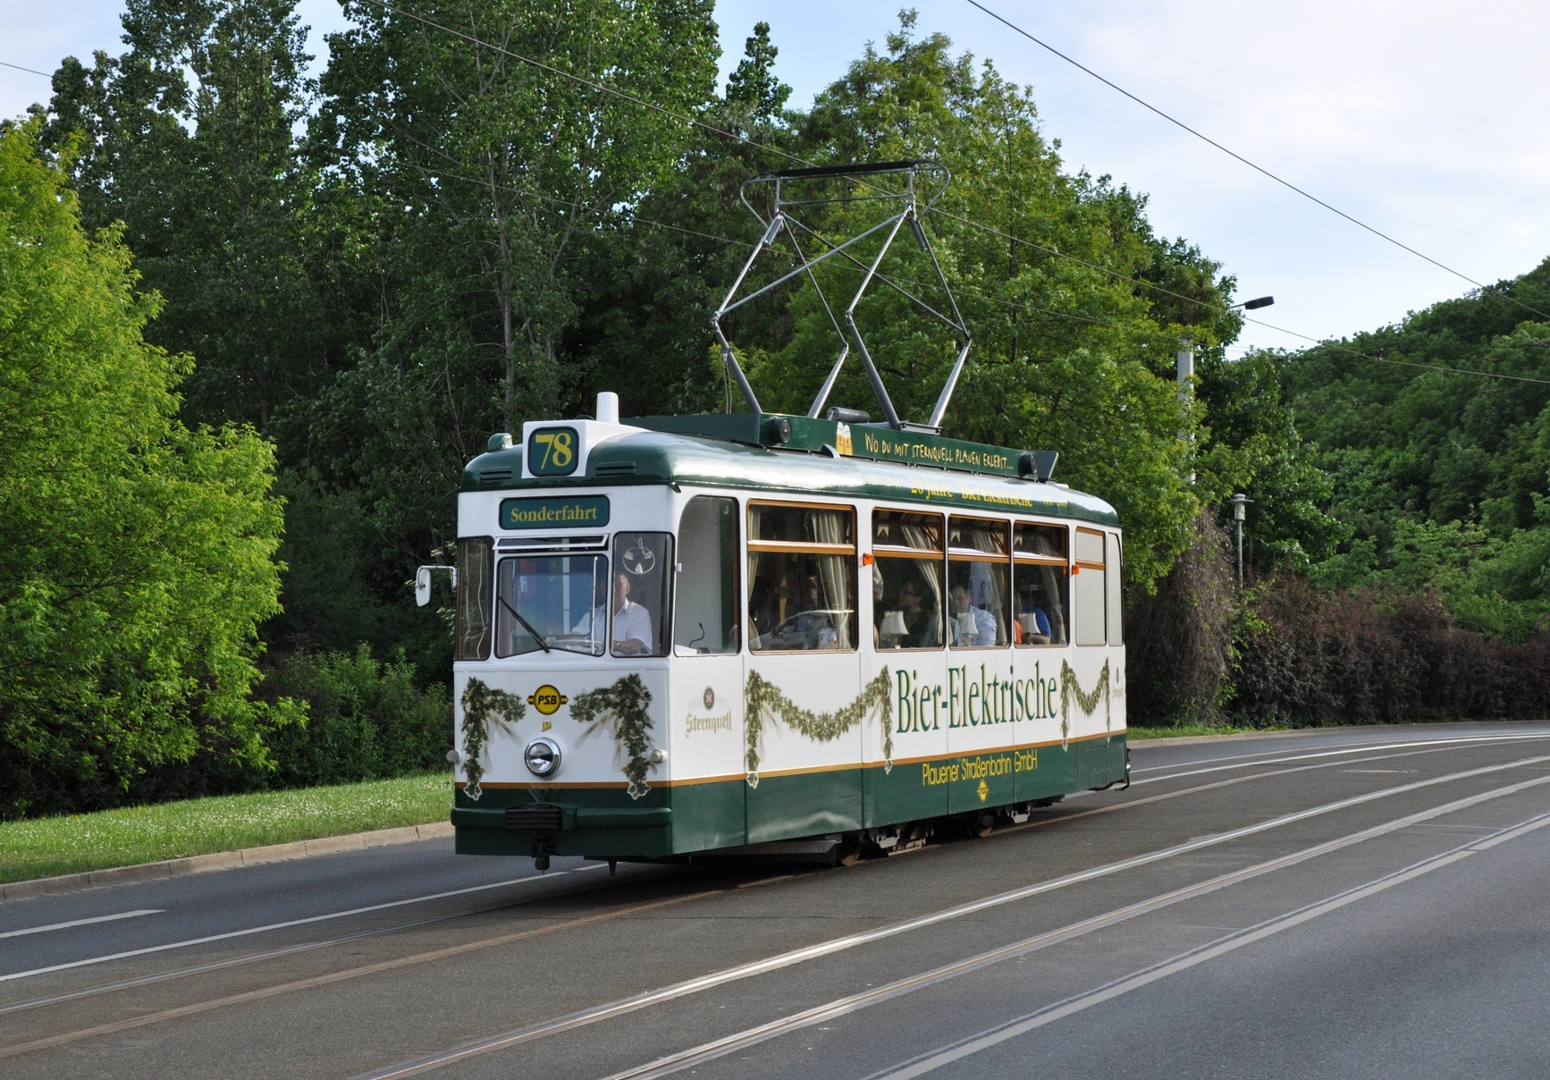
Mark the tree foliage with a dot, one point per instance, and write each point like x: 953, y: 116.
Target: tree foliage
x: 490, y: 212
x: 1443, y: 478
x: 139, y: 552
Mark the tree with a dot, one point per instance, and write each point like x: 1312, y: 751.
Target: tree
x: 188, y: 140
x: 1061, y: 343
x: 139, y: 552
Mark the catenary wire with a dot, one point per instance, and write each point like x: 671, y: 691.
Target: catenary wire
x: 1257, y: 168
x: 30, y: 71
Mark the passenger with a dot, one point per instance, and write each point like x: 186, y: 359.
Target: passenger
x: 971, y: 625
x: 923, y: 628
x: 1032, y: 625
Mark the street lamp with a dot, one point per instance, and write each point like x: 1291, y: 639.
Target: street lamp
x: 1239, y: 502
x: 1255, y: 304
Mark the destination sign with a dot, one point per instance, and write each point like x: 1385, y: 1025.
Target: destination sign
x: 582, y: 511
x: 884, y: 444
x: 873, y: 441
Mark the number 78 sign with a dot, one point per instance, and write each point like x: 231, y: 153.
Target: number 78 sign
x: 551, y: 451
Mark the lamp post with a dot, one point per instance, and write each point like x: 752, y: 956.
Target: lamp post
x: 1239, y: 502
x: 1184, y: 359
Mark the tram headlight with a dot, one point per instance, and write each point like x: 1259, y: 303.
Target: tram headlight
x: 542, y: 757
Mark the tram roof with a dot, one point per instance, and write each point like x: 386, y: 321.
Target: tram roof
x: 731, y: 452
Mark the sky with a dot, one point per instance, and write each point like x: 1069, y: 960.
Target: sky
x: 1424, y: 119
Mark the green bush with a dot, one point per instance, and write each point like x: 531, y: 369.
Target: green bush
x: 366, y: 719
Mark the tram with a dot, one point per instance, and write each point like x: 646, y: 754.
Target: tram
x: 774, y: 635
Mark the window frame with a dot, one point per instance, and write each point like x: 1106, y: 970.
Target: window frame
x: 938, y: 555
x: 465, y: 592
x: 797, y: 547
x: 664, y: 645
x: 739, y: 559
x: 972, y: 555
x: 1077, y: 565
x: 1062, y: 563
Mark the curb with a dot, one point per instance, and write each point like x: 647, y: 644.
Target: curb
x: 1191, y: 740
x: 222, y: 860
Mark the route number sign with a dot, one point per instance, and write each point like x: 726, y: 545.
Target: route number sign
x: 551, y: 451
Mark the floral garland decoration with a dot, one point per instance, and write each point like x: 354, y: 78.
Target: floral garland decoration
x: 1069, y: 687
x: 762, y: 700
x: 483, y: 706
x: 623, y: 707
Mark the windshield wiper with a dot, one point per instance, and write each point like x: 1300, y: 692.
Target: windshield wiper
x: 527, y: 625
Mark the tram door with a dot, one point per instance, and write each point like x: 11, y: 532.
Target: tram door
x: 707, y: 680
x: 804, y: 673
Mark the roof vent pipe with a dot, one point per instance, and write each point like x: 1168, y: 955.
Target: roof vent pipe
x: 608, y: 407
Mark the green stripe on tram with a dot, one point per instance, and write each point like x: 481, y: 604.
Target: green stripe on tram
x: 701, y: 817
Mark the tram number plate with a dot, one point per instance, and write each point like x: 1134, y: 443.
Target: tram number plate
x: 552, y: 451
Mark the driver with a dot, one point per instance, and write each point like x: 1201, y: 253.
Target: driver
x: 632, y: 622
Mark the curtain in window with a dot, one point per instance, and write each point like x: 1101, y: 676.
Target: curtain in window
x: 835, y: 572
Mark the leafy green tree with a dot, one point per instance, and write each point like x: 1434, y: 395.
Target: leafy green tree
x: 1251, y: 443
x: 486, y: 180
x: 1440, y: 476
x: 139, y: 553
x: 188, y: 139
x: 502, y: 170
x: 1060, y: 353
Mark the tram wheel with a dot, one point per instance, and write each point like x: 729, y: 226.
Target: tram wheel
x: 981, y: 825
x: 848, y: 852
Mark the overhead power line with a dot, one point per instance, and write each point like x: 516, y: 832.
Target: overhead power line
x: 696, y: 122
x: 1257, y: 168
x: 30, y: 71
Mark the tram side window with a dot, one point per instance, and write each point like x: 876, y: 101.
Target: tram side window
x: 641, y: 587
x: 1091, y: 593
x: 978, y: 590
x: 908, y: 593
x: 1116, y: 604
x: 1040, y: 584
x: 801, y: 577
x: 707, y: 585
x: 473, y: 598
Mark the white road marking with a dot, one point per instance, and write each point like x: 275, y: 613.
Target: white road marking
x: 1270, y: 756
x: 1244, y: 761
x: 1194, y: 958
x: 850, y: 941
x: 283, y: 925
x: 1240, y: 936
x: 81, y: 922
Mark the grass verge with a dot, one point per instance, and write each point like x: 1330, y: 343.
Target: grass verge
x: 1189, y: 729
x: 44, y: 847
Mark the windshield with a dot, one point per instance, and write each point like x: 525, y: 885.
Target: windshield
x: 562, y: 599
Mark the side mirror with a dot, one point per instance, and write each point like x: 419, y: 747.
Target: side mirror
x: 422, y: 582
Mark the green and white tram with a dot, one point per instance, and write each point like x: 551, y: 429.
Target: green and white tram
x: 772, y: 634
x: 744, y: 632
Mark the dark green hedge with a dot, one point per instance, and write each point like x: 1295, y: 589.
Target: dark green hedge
x: 366, y: 719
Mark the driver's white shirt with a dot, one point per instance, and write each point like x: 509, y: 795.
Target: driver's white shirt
x: 631, y: 622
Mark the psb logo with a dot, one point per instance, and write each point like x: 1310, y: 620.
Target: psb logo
x: 546, y: 699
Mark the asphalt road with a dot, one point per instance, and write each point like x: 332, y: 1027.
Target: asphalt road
x: 1348, y: 903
